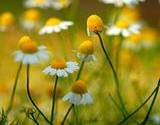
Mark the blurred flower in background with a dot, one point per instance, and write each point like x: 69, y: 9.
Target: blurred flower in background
x: 60, y: 4
x: 37, y: 3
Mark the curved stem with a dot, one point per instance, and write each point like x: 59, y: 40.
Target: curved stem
x: 136, y: 110
x: 53, y: 99
x: 30, y: 97
x: 14, y: 89
x: 67, y: 113
x: 80, y: 70
x: 114, y: 74
x: 151, y: 106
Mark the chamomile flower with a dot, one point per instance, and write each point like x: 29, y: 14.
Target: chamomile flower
x: 86, y: 50
x: 61, y: 68
x: 60, y: 4
x: 37, y: 3
x: 31, y: 19
x: 79, y: 94
x: 120, y: 3
x: 6, y: 21
x: 94, y: 24
x: 55, y: 25
x: 124, y: 28
x: 29, y: 52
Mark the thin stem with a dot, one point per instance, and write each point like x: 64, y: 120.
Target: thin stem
x: 80, y: 70
x: 34, y: 119
x: 53, y: 99
x: 67, y: 113
x: 151, y: 106
x: 114, y: 73
x: 30, y: 97
x: 118, y: 52
x: 14, y: 89
x: 136, y: 110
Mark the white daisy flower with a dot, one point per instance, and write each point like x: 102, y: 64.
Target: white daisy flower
x: 30, y: 20
x: 122, y: 27
x: 61, y: 68
x: 86, y: 51
x: 29, y: 52
x: 55, y: 25
x: 6, y: 21
x: 37, y: 3
x: 60, y: 4
x: 120, y: 3
x: 79, y: 94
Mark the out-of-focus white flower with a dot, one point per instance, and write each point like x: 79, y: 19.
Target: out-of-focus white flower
x: 29, y: 52
x: 55, y: 25
x: 6, y: 21
x: 61, y: 68
x: 79, y: 94
x: 37, y: 3
x: 60, y: 4
x: 156, y: 119
x: 119, y: 3
x: 122, y: 27
x: 31, y: 19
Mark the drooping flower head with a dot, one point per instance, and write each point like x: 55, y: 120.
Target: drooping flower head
x: 94, y: 24
x: 86, y: 51
x: 31, y: 19
x: 55, y: 25
x: 6, y: 21
x: 79, y: 94
x: 29, y: 52
x: 61, y: 68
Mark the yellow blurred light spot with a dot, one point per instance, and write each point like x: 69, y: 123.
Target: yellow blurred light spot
x: 59, y: 64
x: 40, y: 1
x: 32, y: 15
x: 64, y: 2
x: 7, y: 19
x: 122, y: 23
x: 53, y: 21
x: 79, y: 87
x: 86, y: 47
x: 136, y: 38
x: 94, y: 23
x: 27, y: 45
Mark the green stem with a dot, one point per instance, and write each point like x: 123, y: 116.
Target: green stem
x: 152, y: 104
x: 67, y: 113
x: 14, y: 89
x: 136, y: 110
x: 114, y: 74
x: 53, y: 99
x: 30, y: 97
x: 80, y: 70
x: 118, y: 52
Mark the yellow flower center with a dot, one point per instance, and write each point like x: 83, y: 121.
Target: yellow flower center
x: 53, y: 21
x: 86, y: 47
x: 122, y: 24
x: 59, y: 64
x: 64, y: 2
x: 135, y: 38
x: 27, y: 45
x: 79, y: 87
x: 94, y: 23
x: 7, y: 19
x: 32, y: 15
x: 40, y: 1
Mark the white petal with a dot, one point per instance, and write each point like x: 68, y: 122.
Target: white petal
x: 86, y: 99
x: 72, y: 98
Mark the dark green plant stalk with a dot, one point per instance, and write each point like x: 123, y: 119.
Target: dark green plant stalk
x: 54, y: 99
x: 80, y: 70
x: 137, y: 109
x: 118, y: 53
x: 114, y: 74
x: 14, y: 89
x: 152, y: 104
x: 30, y: 97
x: 67, y: 113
